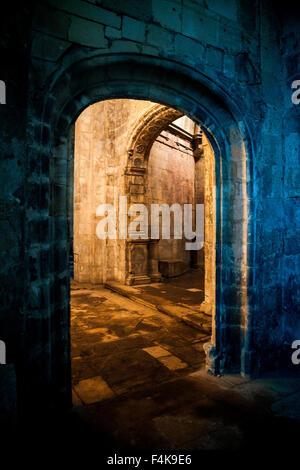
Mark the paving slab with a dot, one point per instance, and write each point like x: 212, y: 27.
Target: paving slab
x: 139, y: 378
x: 93, y: 390
x: 180, y: 298
x: 157, y: 351
x: 173, y: 362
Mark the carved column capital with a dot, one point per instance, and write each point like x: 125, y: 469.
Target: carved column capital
x: 197, y: 147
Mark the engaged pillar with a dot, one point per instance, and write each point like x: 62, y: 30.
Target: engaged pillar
x: 153, y: 261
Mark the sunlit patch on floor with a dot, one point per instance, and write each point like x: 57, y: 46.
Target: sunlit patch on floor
x: 93, y: 390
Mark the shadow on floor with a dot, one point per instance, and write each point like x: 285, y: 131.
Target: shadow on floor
x: 139, y: 383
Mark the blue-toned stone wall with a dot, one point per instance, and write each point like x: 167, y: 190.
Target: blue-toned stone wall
x: 248, y: 52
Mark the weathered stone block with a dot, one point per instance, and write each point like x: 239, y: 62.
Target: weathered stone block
x: 112, y: 33
x: 229, y: 9
x: 214, y: 57
x: 47, y: 47
x: 198, y: 26
x: 51, y: 21
x: 88, y: 11
x: 133, y: 29
x: 122, y: 45
x: 291, y: 244
x: 87, y: 33
x: 136, y: 8
x: 292, y: 149
x: 292, y: 181
x: 168, y: 13
x: 159, y: 37
x: 187, y: 47
x: 171, y: 268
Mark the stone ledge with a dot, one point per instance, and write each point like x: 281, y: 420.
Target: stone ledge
x: 189, y: 316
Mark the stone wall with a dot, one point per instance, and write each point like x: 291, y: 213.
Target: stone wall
x: 14, y: 274
x: 101, y: 138
x: 207, y: 193
x: 213, y: 60
x: 102, y: 134
x: 171, y: 179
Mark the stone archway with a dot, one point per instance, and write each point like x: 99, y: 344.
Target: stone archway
x: 144, y: 133
x: 191, y: 93
x: 141, y: 263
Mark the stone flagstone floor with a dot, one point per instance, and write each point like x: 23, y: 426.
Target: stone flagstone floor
x: 119, y: 346
x: 139, y: 383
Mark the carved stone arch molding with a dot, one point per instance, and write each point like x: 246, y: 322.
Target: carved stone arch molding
x: 54, y: 107
x: 142, y: 255
x: 147, y: 129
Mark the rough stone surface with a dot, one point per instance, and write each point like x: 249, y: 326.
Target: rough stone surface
x: 227, y: 64
x: 153, y: 391
x: 102, y: 135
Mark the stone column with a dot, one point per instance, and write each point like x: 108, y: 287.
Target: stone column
x: 137, y: 252
x: 197, y: 256
x: 153, y: 261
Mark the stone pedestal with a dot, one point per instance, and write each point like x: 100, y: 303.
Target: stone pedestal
x: 137, y: 260
x: 172, y: 268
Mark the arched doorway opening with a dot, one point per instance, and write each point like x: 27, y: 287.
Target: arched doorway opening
x: 157, y: 160
x: 174, y: 85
